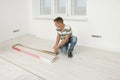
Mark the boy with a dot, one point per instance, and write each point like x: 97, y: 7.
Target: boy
x: 64, y: 38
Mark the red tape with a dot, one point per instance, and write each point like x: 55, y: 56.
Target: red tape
x: 28, y: 53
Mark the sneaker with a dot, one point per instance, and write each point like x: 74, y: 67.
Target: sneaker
x: 70, y: 55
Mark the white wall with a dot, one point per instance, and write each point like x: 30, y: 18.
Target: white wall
x: 103, y: 19
x: 13, y: 16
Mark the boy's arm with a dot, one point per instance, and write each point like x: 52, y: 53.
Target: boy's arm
x: 57, y: 40
x: 56, y: 46
x: 67, y: 37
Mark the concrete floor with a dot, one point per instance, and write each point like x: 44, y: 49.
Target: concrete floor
x: 87, y: 63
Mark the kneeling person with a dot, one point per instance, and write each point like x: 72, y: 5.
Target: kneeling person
x: 65, y: 41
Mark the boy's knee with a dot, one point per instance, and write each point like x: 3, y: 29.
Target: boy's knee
x: 74, y: 39
x: 64, y: 50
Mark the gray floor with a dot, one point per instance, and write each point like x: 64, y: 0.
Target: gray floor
x: 87, y: 63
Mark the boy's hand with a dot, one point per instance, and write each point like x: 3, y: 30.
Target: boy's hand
x: 56, y: 48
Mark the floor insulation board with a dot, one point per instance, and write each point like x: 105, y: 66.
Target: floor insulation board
x: 87, y: 63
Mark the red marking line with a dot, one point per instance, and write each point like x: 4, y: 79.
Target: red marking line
x: 28, y: 53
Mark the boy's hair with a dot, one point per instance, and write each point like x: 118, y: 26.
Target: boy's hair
x: 58, y: 19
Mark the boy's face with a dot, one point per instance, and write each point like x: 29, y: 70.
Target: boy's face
x: 58, y: 24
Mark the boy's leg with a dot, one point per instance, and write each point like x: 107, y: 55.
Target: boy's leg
x: 64, y: 48
x: 73, y: 41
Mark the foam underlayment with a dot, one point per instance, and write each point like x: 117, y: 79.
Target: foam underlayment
x: 87, y: 63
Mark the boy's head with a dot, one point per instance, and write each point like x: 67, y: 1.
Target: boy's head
x: 58, y: 21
